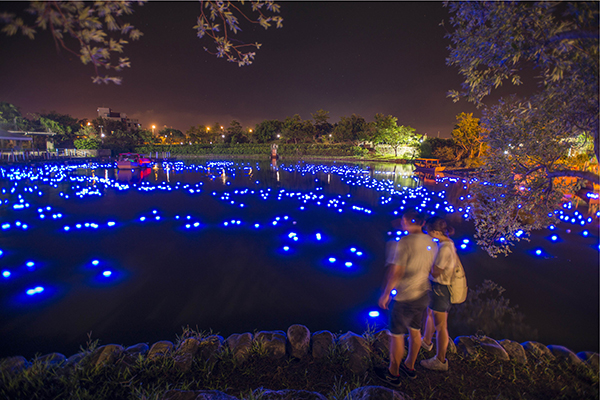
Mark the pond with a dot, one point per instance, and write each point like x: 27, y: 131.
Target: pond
x: 244, y: 245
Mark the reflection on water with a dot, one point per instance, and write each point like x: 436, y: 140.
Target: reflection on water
x: 238, y: 246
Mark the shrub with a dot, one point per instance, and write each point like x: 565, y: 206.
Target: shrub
x: 487, y: 312
x: 87, y: 144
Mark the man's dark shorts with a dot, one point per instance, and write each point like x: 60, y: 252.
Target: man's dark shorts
x: 439, y: 297
x: 407, y: 314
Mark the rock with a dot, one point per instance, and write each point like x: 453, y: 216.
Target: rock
x: 160, y: 350
x: 451, y: 349
x: 137, y: 349
x: 360, y: 355
x: 288, y: 394
x: 209, y: 346
x: 184, y: 355
x: 132, y: 354
x: 12, y: 365
x: 105, y: 355
x: 492, y: 347
x: 465, y: 345
x: 451, y: 346
x: 381, y: 345
x: 75, y: 359
x: 240, y: 345
x: 376, y: 393
x: 590, y: 358
x: 273, y: 342
x: 196, y: 395
x: 298, y: 340
x: 322, y: 343
x: 564, y: 354
x: 52, y: 359
x: 538, y: 351
x: 515, y: 351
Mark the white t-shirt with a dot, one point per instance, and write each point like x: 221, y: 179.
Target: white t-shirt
x: 416, y: 253
x: 446, y: 261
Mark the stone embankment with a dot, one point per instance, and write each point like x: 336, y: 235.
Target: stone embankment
x: 298, y: 343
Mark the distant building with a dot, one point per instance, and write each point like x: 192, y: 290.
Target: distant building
x: 106, y: 113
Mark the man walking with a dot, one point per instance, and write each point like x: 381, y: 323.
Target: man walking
x: 408, y: 273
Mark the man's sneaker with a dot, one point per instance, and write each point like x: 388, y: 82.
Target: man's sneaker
x: 409, y: 373
x: 427, y: 347
x: 385, y: 375
x: 435, y: 364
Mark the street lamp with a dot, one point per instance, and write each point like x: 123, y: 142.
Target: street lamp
x: 153, y: 128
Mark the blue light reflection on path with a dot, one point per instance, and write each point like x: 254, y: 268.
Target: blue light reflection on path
x: 234, y: 278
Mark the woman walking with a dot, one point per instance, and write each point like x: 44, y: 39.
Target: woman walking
x: 440, y: 276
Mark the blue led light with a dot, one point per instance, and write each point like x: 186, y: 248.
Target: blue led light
x: 107, y: 273
x: 111, y: 223
x: 6, y: 274
x: 332, y: 259
x: 319, y: 237
x: 393, y: 292
x: 36, y: 290
x: 353, y: 249
x: 585, y: 233
x: 348, y: 264
x: 286, y: 248
x: 374, y: 314
x: 538, y: 252
x: 95, y: 262
x: 463, y: 246
x: 554, y: 238
x: 29, y: 264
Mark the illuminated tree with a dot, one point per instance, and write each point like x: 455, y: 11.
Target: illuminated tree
x: 95, y: 31
x: 468, y: 134
x: 386, y: 130
x: 527, y: 170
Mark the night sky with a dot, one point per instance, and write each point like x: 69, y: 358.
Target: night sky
x: 343, y: 57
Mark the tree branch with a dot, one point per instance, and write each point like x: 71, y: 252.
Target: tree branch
x: 587, y: 175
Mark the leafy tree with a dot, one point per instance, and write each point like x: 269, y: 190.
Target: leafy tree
x: 61, y: 125
x: 11, y: 117
x: 235, y: 133
x: 296, y: 130
x: 322, y: 127
x: 529, y: 138
x: 353, y: 129
x: 386, y: 130
x: 95, y: 31
x: 217, y: 133
x: 121, y: 141
x: 267, y: 131
x: 198, y: 134
x: 88, y: 132
x: 171, y: 136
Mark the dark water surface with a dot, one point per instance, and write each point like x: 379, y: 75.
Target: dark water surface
x: 228, y: 275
